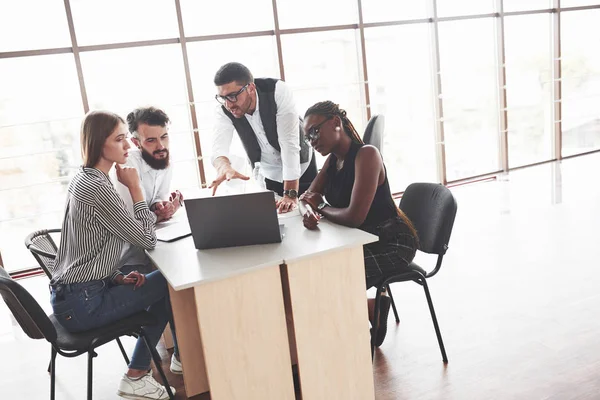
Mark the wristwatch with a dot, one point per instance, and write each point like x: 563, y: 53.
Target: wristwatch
x: 292, y: 193
x: 322, y: 205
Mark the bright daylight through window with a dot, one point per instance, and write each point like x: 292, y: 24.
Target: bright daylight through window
x: 467, y: 87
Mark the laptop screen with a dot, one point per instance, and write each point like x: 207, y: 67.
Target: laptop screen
x: 235, y: 220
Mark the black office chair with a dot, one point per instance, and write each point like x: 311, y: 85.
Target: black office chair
x: 37, y: 325
x: 431, y: 208
x: 43, y: 248
x: 374, y: 132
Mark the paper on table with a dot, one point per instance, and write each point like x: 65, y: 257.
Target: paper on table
x: 179, y: 216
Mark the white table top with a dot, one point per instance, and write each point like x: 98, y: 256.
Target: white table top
x: 184, y: 266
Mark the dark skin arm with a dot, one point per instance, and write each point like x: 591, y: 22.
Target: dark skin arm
x: 316, y: 188
x: 369, y: 174
x: 310, y: 218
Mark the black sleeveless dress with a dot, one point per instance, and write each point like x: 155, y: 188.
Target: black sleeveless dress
x: 397, y: 245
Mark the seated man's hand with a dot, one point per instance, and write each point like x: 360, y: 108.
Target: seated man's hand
x: 177, y: 199
x: 226, y: 174
x: 164, y: 210
x: 286, y: 204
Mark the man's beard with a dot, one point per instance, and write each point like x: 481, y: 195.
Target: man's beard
x: 156, y: 163
x: 245, y: 108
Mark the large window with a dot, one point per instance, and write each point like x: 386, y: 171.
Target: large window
x: 40, y: 111
x: 226, y: 17
x: 325, y: 66
x: 18, y: 21
x: 529, y: 88
x: 452, y: 8
x: 117, y: 21
x: 470, y: 98
x: 523, y: 5
x: 123, y: 79
x: 130, y: 55
x: 581, y: 82
x: 311, y: 13
x: 385, y: 10
x: 402, y: 92
x: 575, y: 3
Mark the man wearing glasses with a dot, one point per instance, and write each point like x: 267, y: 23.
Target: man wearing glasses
x: 263, y: 113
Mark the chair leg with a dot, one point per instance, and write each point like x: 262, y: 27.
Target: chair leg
x: 91, y: 355
x: 389, y: 290
x: 52, y: 369
x: 123, y: 351
x: 158, y: 364
x: 435, y: 322
x: 375, y: 325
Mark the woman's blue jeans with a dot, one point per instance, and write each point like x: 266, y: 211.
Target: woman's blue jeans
x: 84, y: 306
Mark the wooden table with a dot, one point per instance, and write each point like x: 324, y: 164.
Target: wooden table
x: 230, y: 308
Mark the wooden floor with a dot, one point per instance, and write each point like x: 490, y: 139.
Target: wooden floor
x: 518, y: 302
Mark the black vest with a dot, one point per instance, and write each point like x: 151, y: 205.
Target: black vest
x: 268, y: 113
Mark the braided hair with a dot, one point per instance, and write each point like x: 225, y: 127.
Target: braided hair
x: 330, y: 109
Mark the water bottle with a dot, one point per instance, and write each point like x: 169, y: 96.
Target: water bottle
x: 258, y: 176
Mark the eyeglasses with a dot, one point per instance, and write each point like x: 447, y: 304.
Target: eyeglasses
x: 232, y: 97
x: 313, y: 133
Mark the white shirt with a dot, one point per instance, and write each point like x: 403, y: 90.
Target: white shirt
x: 276, y: 166
x: 156, y: 183
x: 156, y: 186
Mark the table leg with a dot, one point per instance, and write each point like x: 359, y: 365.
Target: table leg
x: 244, y: 336
x: 330, y: 321
x: 191, y: 352
x: 167, y: 337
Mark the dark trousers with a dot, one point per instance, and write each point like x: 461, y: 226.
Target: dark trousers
x: 305, y: 180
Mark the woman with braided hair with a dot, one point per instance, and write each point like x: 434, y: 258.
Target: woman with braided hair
x: 354, y: 182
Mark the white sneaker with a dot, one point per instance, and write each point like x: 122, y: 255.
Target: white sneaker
x: 176, y: 366
x: 144, y: 388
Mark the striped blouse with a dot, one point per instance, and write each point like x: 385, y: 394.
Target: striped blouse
x: 96, y: 225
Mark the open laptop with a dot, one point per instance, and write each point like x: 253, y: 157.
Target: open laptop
x: 234, y: 220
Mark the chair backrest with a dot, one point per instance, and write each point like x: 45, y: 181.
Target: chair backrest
x: 431, y: 207
x: 43, y: 248
x: 28, y: 313
x: 374, y: 132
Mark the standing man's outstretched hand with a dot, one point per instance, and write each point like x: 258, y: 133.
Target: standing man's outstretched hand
x: 226, y: 174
